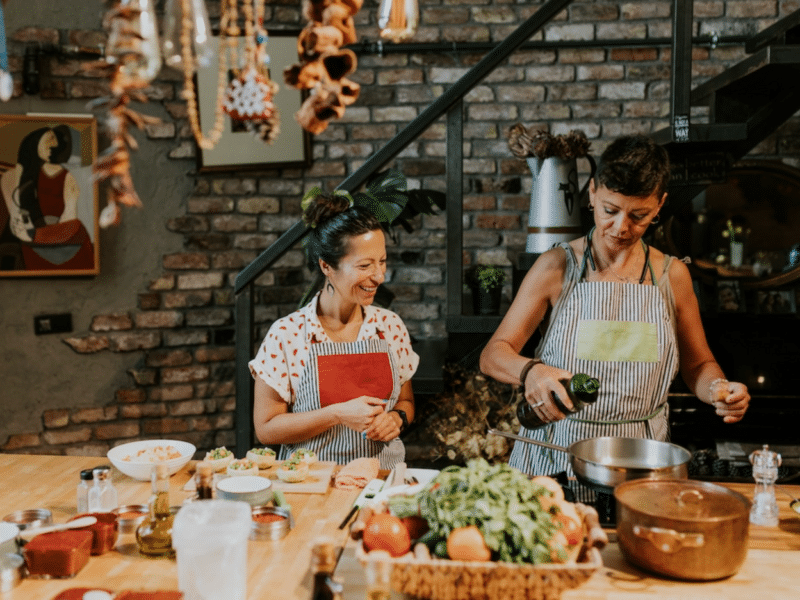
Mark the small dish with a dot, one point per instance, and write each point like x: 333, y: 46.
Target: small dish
x: 105, y: 531
x: 270, y: 523
x: 263, y: 457
x: 130, y: 516
x: 58, y: 555
x: 254, y: 490
x: 219, y: 459
x: 241, y: 467
x: 31, y: 517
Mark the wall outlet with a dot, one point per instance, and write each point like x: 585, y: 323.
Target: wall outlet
x: 44, y: 324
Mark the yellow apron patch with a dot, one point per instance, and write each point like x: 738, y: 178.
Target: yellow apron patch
x: 618, y: 341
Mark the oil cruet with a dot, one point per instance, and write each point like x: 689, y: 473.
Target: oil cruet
x: 154, y: 535
x: 765, y: 471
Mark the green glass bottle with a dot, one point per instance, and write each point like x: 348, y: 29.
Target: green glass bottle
x: 582, y: 390
x: 154, y: 535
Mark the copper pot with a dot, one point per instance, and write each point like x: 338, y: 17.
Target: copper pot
x: 680, y: 528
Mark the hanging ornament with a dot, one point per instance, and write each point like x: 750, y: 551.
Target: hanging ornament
x: 249, y: 96
x: 133, y: 42
x: 324, y: 64
x: 187, y: 22
x: 398, y: 19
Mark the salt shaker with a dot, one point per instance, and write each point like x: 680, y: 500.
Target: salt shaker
x: 82, y: 494
x: 103, y: 494
x: 765, y: 471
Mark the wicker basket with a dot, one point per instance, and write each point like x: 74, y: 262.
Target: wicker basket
x: 443, y: 579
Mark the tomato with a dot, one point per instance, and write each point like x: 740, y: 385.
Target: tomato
x: 573, y: 532
x: 417, y: 526
x: 387, y: 532
x: 467, y: 543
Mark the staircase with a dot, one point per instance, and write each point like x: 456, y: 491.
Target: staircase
x: 742, y: 107
x: 737, y: 109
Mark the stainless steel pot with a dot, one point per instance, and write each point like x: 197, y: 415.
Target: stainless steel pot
x: 689, y: 530
x: 602, y: 463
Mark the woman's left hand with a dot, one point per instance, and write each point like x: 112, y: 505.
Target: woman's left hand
x: 733, y: 406
x: 384, y: 428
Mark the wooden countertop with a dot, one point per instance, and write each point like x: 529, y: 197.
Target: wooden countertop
x: 771, y: 569
x: 279, y: 569
x: 276, y: 569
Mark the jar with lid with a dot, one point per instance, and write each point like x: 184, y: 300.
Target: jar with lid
x: 154, y: 535
x: 103, y: 494
x: 83, y: 491
x: 582, y: 390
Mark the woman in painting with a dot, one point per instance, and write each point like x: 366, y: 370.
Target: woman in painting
x: 335, y: 375
x: 41, y: 197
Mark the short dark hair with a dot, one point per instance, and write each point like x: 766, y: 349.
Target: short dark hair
x: 634, y: 165
x: 333, y: 222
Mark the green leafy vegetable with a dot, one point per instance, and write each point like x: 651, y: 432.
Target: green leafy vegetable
x: 500, y: 500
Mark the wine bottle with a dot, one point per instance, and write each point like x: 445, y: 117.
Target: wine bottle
x: 582, y: 390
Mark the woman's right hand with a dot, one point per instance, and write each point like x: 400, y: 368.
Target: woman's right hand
x: 541, y: 383
x: 357, y: 414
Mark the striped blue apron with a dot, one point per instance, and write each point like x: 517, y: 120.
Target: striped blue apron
x: 625, y: 335
x: 341, y: 444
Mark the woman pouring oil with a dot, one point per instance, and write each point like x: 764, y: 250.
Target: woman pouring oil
x: 616, y: 309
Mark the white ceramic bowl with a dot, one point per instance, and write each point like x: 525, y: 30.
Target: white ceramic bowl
x: 252, y: 489
x: 142, y: 469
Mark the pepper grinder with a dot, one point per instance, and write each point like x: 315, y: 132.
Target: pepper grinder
x: 765, y: 471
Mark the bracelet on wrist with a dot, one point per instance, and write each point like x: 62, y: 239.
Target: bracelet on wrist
x: 526, y: 369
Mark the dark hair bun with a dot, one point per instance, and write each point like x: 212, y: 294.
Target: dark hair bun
x: 323, y: 208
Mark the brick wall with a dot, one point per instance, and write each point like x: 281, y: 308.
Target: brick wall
x: 181, y: 325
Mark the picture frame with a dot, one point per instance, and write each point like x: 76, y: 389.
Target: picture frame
x: 776, y: 302
x: 237, y: 148
x: 49, y: 216
x: 729, y: 296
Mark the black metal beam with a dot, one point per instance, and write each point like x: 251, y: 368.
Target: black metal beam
x: 681, y: 81
x: 773, y: 33
x: 243, y: 414
x: 455, y: 200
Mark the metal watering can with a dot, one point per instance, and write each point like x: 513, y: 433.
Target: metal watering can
x: 555, y: 214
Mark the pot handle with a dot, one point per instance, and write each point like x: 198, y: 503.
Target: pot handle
x: 669, y: 540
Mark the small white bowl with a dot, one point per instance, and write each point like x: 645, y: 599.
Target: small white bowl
x: 141, y: 469
x: 254, y: 490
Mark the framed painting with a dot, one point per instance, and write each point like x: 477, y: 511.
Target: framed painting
x: 776, y: 302
x: 237, y: 148
x: 49, y: 213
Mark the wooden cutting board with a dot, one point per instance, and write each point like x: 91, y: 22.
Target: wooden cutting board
x: 317, y: 482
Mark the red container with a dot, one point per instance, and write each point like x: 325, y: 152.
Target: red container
x: 58, y: 554
x: 105, y: 531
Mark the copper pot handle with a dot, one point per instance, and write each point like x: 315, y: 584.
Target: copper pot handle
x: 668, y: 540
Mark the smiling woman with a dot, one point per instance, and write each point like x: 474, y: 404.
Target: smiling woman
x: 335, y: 376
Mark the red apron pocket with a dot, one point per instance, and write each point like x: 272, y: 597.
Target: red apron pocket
x: 343, y: 377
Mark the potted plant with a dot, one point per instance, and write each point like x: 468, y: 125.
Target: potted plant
x: 486, y: 282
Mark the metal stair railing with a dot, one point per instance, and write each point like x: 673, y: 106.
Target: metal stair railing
x: 449, y: 103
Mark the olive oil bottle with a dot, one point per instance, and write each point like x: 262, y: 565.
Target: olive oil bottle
x: 154, y: 536
x: 582, y: 390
